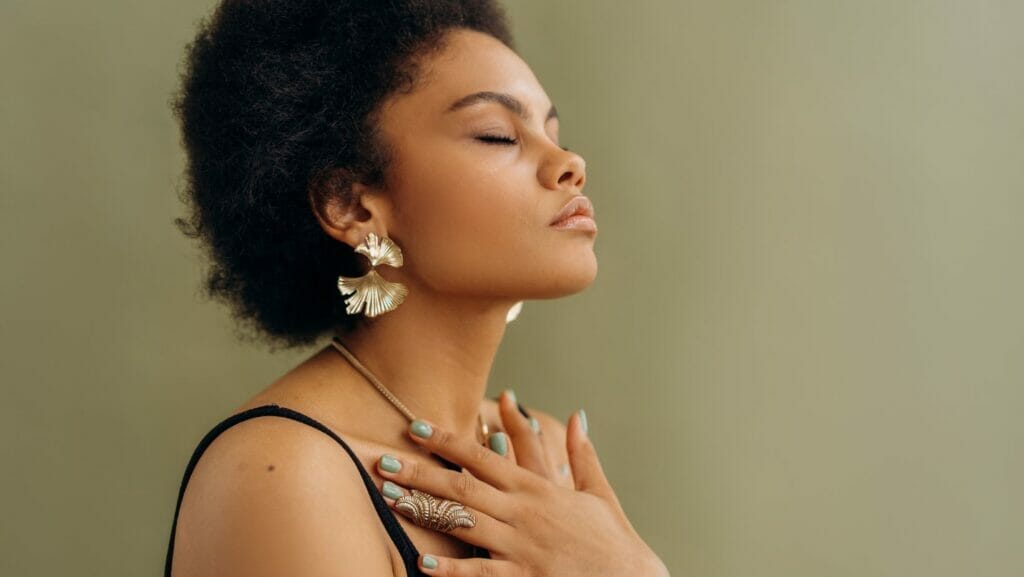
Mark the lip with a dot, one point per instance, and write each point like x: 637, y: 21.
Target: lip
x: 576, y: 222
x: 577, y: 211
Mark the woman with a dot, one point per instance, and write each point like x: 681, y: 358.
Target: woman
x: 389, y: 173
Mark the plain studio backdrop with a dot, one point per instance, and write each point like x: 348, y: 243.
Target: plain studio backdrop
x: 803, y: 354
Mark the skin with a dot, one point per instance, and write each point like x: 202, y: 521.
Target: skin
x: 273, y: 497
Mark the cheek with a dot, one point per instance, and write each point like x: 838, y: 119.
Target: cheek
x: 474, y: 225
x: 469, y: 226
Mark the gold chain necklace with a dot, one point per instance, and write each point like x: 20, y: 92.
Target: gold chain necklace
x: 341, y: 348
x: 477, y: 551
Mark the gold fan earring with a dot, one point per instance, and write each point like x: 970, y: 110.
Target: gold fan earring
x: 371, y: 293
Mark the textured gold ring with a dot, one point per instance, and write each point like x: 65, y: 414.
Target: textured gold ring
x: 430, y: 512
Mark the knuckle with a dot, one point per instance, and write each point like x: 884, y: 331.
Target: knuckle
x: 536, y: 485
x: 443, y: 439
x: 413, y: 473
x: 459, y: 568
x: 482, y: 456
x: 464, y: 486
x: 485, y: 569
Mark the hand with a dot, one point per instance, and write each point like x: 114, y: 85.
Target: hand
x: 531, y: 526
x: 525, y: 447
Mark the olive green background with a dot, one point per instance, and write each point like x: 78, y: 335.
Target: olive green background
x: 803, y: 354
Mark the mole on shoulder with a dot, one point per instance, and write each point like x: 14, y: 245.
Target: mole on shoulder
x: 270, y: 467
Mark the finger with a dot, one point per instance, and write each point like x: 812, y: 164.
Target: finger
x: 481, y: 461
x: 500, y: 443
x: 529, y: 451
x: 487, y: 532
x: 586, y: 467
x: 473, y: 567
x: 446, y: 484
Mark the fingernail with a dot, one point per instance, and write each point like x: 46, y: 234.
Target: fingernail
x: 390, y: 464
x: 499, y: 443
x: 391, y: 490
x: 564, y: 469
x: 429, y: 562
x: 535, y: 424
x: 421, y: 429
x: 583, y: 420
x: 511, y: 394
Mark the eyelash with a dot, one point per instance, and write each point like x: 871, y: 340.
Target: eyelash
x: 505, y: 141
x: 498, y: 139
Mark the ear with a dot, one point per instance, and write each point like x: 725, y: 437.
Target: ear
x: 347, y: 209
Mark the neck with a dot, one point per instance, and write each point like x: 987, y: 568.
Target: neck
x: 434, y: 355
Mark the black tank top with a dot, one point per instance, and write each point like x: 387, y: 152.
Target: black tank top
x: 405, y: 545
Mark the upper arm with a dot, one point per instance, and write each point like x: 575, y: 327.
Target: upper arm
x: 271, y: 497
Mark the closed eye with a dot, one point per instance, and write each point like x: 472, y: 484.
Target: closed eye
x: 504, y: 140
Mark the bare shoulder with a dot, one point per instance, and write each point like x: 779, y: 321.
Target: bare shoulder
x: 272, y: 496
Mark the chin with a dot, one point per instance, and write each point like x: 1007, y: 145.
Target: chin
x: 568, y: 276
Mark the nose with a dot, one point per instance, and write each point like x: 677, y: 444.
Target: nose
x: 564, y: 170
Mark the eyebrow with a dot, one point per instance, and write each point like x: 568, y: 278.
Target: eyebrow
x: 507, y: 100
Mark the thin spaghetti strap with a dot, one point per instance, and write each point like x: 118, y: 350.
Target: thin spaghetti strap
x: 395, y: 531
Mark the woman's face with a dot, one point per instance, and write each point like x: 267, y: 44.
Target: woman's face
x: 471, y: 213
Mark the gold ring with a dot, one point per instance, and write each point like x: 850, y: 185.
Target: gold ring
x: 430, y: 512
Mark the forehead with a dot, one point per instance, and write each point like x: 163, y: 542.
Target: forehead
x: 470, y: 62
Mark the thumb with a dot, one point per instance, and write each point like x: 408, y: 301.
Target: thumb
x: 587, y: 472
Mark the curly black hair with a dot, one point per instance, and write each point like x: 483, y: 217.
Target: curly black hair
x: 275, y: 97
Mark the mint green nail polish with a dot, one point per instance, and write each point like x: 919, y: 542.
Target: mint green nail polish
x: 583, y: 421
x: 429, y: 562
x: 535, y: 424
x: 511, y: 394
x: 421, y: 429
x: 390, y: 464
x: 391, y: 490
x: 499, y: 443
